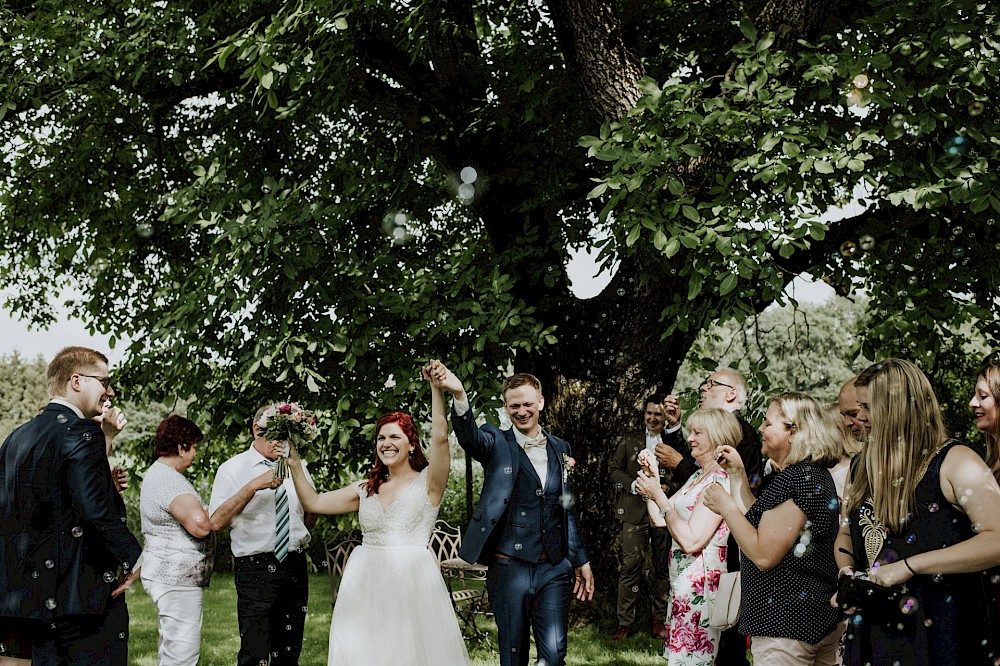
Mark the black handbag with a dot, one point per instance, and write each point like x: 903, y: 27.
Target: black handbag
x: 861, y: 594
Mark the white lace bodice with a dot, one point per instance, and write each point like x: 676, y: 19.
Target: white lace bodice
x: 407, y: 522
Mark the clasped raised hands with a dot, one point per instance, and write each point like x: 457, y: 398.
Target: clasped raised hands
x: 438, y: 374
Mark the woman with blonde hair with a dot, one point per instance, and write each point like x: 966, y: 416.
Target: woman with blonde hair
x: 987, y: 412
x: 786, y: 536
x: 698, y: 552
x: 925, y: 511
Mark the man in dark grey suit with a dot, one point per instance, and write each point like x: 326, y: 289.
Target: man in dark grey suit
x: 630, y: 509
x: 65, y: 550
x: 524, y: 527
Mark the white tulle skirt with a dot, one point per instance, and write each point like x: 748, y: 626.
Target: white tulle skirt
x: 393, y: 609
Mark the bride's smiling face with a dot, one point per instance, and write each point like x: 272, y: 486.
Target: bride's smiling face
x: 392, y: 445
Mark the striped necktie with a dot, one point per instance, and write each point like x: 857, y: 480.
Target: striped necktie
x: 281, y: 523
x: 281, y: 519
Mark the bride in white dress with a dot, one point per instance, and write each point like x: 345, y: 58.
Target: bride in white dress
x: 393, y: 607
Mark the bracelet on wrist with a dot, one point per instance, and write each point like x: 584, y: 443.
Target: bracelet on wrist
x: 909, y: 567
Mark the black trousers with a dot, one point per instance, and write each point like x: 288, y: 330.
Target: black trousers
x: 83, y: 640
x: 732, y: 644
x: 272, y: 598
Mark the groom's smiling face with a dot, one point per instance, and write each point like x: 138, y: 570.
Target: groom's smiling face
x: 523, y: 404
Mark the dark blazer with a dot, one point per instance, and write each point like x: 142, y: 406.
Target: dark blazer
x: 624, y: 467
x: 63, y: 536
x: 749, y: 450
x: 500, y: 455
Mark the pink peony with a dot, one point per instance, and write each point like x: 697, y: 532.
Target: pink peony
x: 285, y: 409
x: 680, y: 606
x: 713, y: 579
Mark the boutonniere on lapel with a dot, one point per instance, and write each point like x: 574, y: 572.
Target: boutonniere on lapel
x: 569, y: 462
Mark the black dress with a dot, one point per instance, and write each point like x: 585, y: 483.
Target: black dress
x: 943, y: 619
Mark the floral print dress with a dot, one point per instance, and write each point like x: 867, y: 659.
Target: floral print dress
x: 690, y: 641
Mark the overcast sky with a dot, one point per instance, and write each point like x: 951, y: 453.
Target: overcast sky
x: 15, y: 335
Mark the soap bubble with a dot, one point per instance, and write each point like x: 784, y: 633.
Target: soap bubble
x: 469, y: 175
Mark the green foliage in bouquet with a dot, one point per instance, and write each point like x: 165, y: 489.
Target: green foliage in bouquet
x: 287, y: 422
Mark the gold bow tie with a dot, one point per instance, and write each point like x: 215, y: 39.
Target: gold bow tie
x: 535, y: 442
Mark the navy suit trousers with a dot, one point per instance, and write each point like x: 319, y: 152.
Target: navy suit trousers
x: 527, y: 596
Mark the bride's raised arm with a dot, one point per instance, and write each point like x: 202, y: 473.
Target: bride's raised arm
x: 439, y: 455
x: 330, y: 503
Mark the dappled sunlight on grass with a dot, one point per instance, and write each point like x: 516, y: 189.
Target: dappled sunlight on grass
x: 220, y: 636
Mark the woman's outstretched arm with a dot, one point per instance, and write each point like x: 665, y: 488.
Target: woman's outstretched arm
x: 439, y: 455
x: 331, y: 503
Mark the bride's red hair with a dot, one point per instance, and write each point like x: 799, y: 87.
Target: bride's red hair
x: 418, y: 461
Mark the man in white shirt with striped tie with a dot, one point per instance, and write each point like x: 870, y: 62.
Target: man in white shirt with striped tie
x: 269, y: 533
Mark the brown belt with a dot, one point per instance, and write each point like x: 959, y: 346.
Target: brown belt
x: 543, y: 558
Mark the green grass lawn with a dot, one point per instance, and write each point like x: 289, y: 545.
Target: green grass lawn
x: 220, y: 637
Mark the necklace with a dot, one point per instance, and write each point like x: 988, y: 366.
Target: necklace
x: 711, y: 468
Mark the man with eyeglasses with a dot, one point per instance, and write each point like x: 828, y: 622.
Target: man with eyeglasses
x: 65, y: 550
x: 726, y: 389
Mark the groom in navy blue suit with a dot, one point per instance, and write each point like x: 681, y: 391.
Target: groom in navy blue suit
x: 524, y: 527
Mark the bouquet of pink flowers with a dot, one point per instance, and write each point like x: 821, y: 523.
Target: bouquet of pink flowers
x: 287, y: 422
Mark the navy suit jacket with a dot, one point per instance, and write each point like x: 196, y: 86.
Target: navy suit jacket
x: 497, y: 450
x: 63, y: 535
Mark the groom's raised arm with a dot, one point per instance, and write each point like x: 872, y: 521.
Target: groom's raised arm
x: 476, y: 442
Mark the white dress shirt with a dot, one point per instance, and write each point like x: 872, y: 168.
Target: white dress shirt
x: 66, y: 403
x: 538, y: 455
x: 651, y: 442
x: 253, y: 528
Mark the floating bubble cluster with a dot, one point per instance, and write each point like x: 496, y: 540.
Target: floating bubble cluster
x: 955, y: 146
x: 397, y: 227
x: 467, y: 185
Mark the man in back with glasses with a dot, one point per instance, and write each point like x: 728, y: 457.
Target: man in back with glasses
x: 65, y: 550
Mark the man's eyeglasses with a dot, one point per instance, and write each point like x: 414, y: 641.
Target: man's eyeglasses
x: 711, y: 383
x: 105, y: 381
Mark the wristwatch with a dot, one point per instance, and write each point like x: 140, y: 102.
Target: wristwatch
x: 667, y: 509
